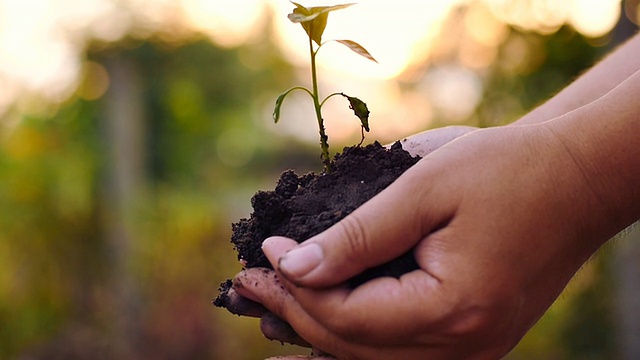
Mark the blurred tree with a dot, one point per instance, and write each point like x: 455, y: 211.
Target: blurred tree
x: 115, y: 213
x: 543, y: 65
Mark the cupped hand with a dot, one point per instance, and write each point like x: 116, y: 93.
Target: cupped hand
x: 499, y: 221
x: 274, y: 328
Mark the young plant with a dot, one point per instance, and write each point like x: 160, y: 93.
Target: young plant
x: 314, y: 21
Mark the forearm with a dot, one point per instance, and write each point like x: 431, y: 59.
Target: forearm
x: 602, y: 137
x: 593, y: 84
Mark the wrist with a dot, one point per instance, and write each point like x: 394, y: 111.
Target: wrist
x: 601, y: 139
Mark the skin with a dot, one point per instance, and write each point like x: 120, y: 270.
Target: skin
x: 500, y: 220
x: 274, y: 328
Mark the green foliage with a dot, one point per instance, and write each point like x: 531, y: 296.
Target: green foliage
x: 201, y: 111
x: 314, y: 22
x: 359, y: 109
x: 552, y: 62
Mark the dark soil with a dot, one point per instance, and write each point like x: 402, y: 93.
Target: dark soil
x: 303, y: 206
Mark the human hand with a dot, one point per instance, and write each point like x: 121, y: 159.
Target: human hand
x: 419, y: 144
x: 424, y: 143
x: 499, y: 221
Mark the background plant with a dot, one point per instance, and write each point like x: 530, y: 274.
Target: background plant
x: 314, y: 21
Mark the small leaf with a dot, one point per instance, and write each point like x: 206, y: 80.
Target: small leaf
x: 304, y: 14
x: 313, y: 20
x: 315, y: 28
x: 357, y: 48
x: 298, y: 18
x: 359, y: 109
x: 280, y: 99
x: 276, y: 110
x: 300, y: 14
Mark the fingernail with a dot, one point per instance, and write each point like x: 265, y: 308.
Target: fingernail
x: 301, y: 260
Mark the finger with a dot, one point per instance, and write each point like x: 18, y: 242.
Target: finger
x: 426, y: 142
x: 238, y: 286
x: 382, y: 229
x: 285, y: 307
x: 298, y: 357
x: 240, y: 305
x: 382, y: 311
x: 265, y: 285
x: 274, y: 328
x: 254, y: 283
x: 373, y: 305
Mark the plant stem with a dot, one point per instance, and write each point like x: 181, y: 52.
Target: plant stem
x: 330, y: 96
x: 324, y: 139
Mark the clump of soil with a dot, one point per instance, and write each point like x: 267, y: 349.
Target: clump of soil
x: 303, y: 206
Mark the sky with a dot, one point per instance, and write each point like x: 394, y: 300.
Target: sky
x: 42, y: 41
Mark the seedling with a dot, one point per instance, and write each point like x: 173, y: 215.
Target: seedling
x: 314, y: 21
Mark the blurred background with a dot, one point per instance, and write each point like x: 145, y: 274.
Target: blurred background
x: 134, y: 132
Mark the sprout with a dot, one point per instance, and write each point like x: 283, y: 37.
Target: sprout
x: 314, y: 21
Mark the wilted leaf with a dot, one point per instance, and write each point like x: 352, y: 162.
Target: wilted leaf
x: 357, y: 48
x: 359, y: 109
x: 313, y: 20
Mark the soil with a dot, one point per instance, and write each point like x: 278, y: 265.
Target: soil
x: 303, y: 206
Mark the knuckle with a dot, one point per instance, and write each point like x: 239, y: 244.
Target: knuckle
x: 354, y: 232
x: 477, y: 322
x: 471, y: 322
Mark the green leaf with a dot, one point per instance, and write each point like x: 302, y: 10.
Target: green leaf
x: 315, y: 28
x: 303, y: 14
x: 276, y: 110
x: 280, y: 99
x: 359, y: 109
x: 300, y: 14
x: 357, y: 48
x: 313, y: 20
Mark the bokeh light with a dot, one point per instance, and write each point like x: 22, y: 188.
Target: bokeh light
x: 397, y: 34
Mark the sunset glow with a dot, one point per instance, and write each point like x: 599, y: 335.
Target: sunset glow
x: 42, y: 42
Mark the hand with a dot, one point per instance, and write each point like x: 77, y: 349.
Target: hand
x: 499, y: 221
x: 424, y: 143
x: 273, y: 328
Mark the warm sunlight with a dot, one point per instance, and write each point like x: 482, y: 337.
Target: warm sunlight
x: 229, y: 22
x: 42, y: 41
x: 394, y: 33
x: 33, y: 54
x: 594, y: 17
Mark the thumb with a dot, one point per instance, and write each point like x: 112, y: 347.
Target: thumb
x: 382, y: 229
